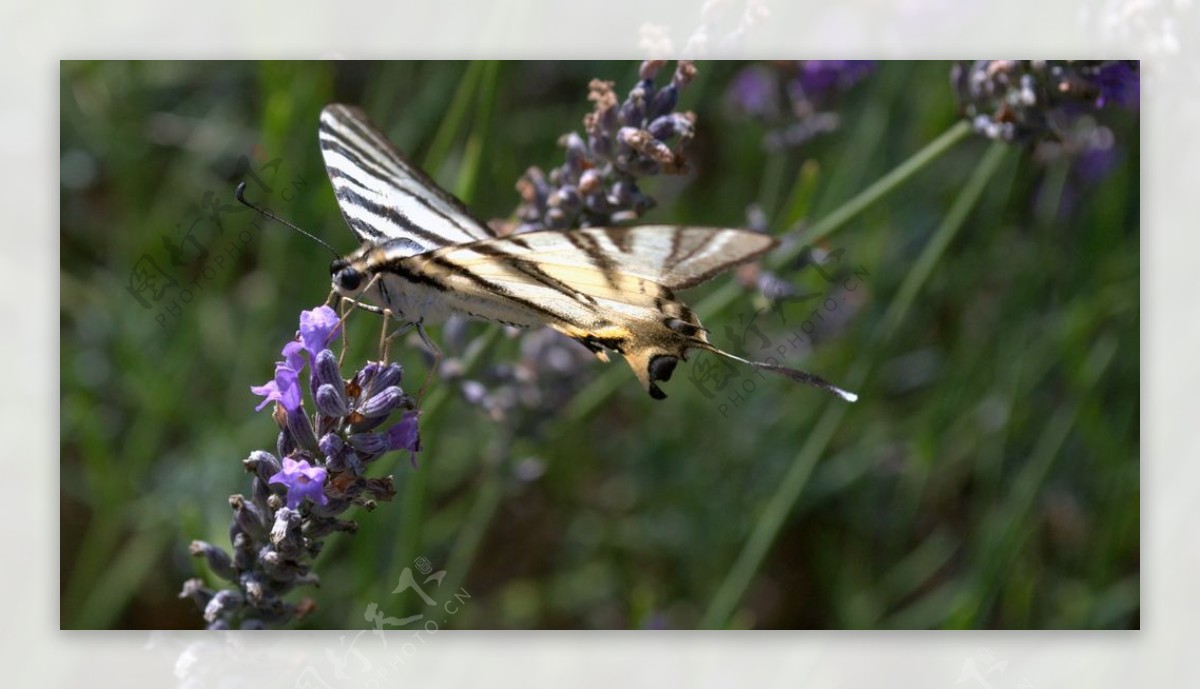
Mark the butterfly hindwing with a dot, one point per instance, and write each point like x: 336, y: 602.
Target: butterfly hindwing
x: 675, y: 256
x: 609, y: 288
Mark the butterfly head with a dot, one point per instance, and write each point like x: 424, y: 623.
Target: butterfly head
x: 347, y: 278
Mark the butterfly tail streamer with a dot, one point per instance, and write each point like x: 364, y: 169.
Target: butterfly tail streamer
x: 795, y: 375
x: 655, y: 361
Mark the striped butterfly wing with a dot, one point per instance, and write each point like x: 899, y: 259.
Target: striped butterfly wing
x: 385, y: 198
x: 674, y: 256
x: 608, y: 288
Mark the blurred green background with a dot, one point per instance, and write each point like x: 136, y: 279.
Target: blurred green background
x: 987, y: 478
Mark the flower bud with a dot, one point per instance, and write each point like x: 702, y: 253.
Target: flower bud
x: 218, y: 561
x: 383, y: 403
x: 331, y: 400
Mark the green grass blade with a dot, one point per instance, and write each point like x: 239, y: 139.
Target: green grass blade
x: 767, y: 527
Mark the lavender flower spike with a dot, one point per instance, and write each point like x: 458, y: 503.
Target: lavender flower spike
x: 625, y: 141
x: 1024, y: 100
x: 275, y: 532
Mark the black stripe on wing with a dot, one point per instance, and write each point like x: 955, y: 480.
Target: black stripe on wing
x: 384, y: 196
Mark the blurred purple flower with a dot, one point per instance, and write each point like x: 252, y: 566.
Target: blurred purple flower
x: 1119, y: 84
x: 818, y: 76
x: 754, y: 91
x: 1096, y: 163
x: 1023, y: 100
x: 796, y: 100
x: 302, y: 481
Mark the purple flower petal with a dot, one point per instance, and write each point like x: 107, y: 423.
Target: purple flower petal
x: 269, y: 389
x: 403, y: 435
x: 293, y: 355
x: 302, y: 481
x: 317, y: 328
x: 285, y: 389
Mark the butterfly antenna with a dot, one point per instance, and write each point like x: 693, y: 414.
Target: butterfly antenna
x: 241, y: 197
x: 796, y: 375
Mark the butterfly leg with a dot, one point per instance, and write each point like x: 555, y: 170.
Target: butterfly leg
x: 437, y: 359
x: 350, y: 304
x: 346, y: 309
x: 385, y: 339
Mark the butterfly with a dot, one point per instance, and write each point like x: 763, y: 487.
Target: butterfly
x: 424, y: 257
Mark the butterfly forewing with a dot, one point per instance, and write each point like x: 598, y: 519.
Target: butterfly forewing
x: 384, y: 197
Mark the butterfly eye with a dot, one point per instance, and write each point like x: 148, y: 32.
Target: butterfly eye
x: 345, y: 276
